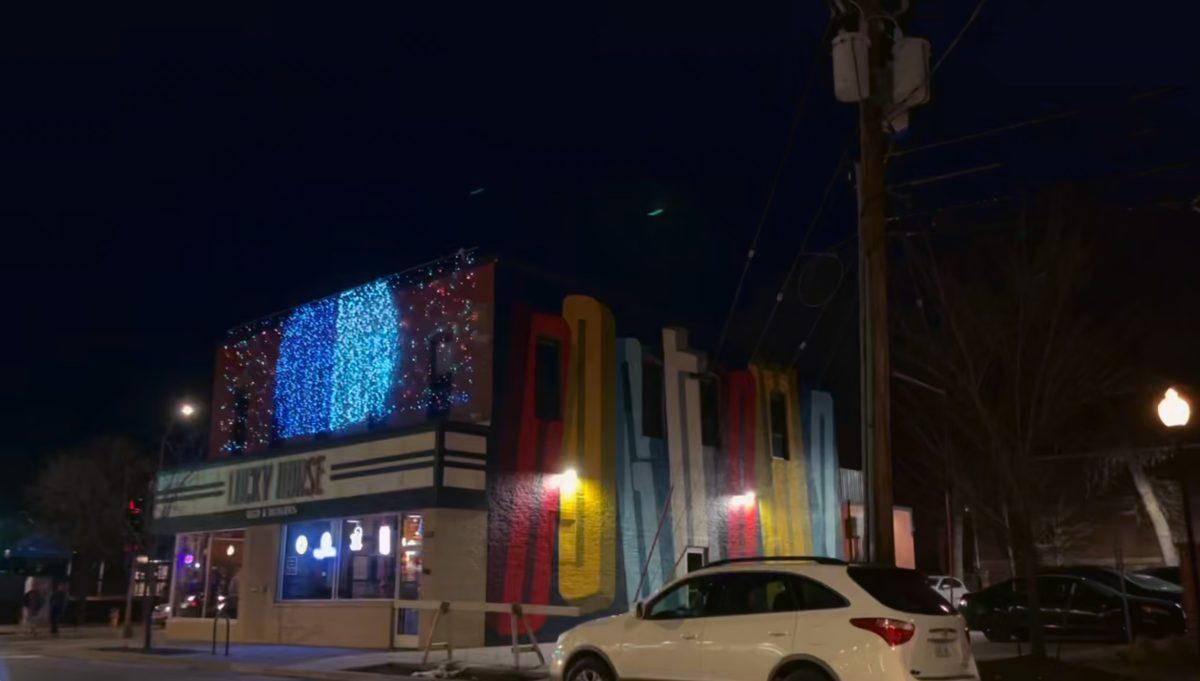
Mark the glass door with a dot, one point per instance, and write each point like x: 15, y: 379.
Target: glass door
x: 408, y: 580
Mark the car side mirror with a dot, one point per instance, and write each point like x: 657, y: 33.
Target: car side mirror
x: 640, y: 610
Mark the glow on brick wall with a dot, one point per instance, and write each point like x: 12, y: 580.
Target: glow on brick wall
x: 393, y: 352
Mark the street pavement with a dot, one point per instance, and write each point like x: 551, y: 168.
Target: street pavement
x: 33, y: 667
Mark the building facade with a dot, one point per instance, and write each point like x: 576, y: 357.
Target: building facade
x: 454, y: 433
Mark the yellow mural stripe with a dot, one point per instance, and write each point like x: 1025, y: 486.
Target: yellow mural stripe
x: 587, y: 574
x: 782, y: 483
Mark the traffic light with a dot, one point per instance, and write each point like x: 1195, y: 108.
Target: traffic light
x: 133, y: 511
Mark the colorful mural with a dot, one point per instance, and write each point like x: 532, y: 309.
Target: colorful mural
x: 606, y: 472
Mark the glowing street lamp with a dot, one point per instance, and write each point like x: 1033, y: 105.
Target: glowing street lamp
x: 1173, y: 410
x: 187, y: 409
x: 743, y: 501
x: 567, y: 482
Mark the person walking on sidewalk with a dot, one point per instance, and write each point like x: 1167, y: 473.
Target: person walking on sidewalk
x: 32, y: 603
x: 58, y: 605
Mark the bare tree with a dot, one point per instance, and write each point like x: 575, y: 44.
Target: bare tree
x: 81, y: 495
x: 1004, y: 326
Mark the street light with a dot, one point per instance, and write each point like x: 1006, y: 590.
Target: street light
x: 184, y: 411
x: 1174, y: 412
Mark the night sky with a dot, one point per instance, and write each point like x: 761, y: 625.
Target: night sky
x: 167, y: 176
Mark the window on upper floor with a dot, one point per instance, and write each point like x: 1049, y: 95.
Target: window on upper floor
x: 710, y: 421
x: 779, y: 427
x: 547, y: 379
x: 652, y: 400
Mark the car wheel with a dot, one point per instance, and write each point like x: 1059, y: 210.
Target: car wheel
x: 805, y: 674
x: 590, y: 669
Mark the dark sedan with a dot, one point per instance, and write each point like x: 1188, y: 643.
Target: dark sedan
x: 1136, y: 583
x: 1073, y: 607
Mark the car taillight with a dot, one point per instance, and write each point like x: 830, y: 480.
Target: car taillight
x: 895, y: 632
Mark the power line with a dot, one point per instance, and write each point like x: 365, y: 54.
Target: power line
x: 957, y: 38
x: 789, y: 144
x: 812, y: 329
x: 1049, y: 118
x: 803, y: 244
x: 936, y: 65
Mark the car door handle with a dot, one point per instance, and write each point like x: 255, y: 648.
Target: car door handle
x: 777, y: 633
x: 687, y: 637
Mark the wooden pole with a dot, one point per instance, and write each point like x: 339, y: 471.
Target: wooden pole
x: 873, y: 316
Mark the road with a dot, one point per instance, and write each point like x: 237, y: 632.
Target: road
x: 17, y: 666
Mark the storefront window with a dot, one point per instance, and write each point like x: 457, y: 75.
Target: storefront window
x: 207, y: 566
x: 368, y: 557
x: 309, y: 560
x: 411, y: 538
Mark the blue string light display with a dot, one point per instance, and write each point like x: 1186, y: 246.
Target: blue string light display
x: 362, y: 358
x: 303, y: 372
x: 365, y: 359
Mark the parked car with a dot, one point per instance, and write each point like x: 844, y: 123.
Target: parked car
x: 776, y: 619
x: 1136, y: 584
x: 1071, y: 607
x: 1166, y: 573
x: 949, y: 588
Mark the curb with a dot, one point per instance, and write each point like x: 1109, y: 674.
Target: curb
x: 217, y: 665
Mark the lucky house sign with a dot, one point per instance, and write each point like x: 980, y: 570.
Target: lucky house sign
x: 276, y: 481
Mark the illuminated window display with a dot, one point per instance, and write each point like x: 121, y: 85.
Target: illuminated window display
x: 309, y: 560
x: 368, y: 563
x: 351, y: 558
x: 207, y: 568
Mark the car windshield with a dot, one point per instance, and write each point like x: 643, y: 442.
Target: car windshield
x: 899, y: 589
x: 931, y: 581
x: 1154, y: 583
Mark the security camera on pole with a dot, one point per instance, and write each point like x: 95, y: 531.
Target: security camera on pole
x: 886, y: 73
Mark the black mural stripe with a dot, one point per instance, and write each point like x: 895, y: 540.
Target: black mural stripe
x: 192, y: 488
x: 379, y: 471
x: 468, y: 466
x: 466, y: 455
x: 188, y: 497
x: 380, y: 459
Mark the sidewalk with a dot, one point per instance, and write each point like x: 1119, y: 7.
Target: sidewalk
x: 309, y: 662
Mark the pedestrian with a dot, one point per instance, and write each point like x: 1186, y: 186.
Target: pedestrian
x: 32, y: 603
x: 58, y: 605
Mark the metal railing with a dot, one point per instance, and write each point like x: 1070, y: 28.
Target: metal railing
x: 222, y: 613
x: 517, y: 616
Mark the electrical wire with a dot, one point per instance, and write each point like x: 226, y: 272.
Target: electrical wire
x: 804, y: 243
x: 789, y: 144
x: 936, y: 65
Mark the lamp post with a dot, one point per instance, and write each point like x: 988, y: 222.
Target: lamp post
x: 184, y: 411
x: 1175, y: 412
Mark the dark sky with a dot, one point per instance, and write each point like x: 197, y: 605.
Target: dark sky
x: 168, y: 175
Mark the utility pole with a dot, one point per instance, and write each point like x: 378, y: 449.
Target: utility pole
x: 873, y: 306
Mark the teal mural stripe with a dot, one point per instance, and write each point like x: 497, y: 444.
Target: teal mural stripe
x: 642, y: 484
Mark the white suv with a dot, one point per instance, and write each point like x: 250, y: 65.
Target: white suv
x: 776, y: 619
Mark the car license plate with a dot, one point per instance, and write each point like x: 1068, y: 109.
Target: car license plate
x: 941, y: 649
